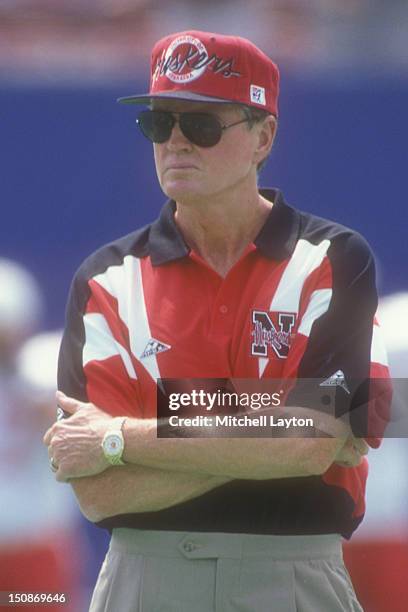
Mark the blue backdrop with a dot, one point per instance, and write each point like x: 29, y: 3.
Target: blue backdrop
x: 75, y: 172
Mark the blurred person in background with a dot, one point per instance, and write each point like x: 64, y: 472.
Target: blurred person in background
x: 378, y: 556
x: 393, y: 314
x: 39, y: 549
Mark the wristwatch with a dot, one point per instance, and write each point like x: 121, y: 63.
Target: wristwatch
x: 113, y: 443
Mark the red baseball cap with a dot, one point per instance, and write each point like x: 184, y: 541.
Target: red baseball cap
x: 206, y: 67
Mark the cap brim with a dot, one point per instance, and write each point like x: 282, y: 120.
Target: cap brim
x: 188, y: 96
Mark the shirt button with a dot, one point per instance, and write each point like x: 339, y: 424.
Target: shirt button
x: 223, y: 309
x: 189, y: 546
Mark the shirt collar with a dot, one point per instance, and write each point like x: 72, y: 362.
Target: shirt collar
x: 276, y: 240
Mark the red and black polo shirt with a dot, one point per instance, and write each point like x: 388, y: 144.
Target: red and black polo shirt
x: 299, y: 303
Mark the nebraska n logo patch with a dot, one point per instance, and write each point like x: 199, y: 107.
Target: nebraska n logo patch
x: 153, y: 347
x: 275, y: 333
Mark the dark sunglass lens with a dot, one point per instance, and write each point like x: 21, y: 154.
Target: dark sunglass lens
x: 203, y: 130
x: 156, y: 125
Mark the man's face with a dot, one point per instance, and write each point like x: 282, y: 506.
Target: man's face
x: 189, y: 173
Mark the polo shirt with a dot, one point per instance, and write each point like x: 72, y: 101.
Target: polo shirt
x: 299, y: 304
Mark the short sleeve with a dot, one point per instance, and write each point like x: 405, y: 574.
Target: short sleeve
x: 95, y: 362
x: 335, y: 356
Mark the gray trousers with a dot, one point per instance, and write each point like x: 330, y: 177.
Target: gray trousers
x: 170, y: 571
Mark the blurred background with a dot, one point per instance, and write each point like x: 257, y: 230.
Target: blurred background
x: 75, y: 173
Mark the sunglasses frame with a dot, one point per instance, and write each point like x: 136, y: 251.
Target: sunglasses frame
x: 185, y: 128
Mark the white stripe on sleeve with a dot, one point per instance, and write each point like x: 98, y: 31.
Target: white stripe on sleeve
x: 318, y: 304
x: 125, y: 283
x: 100, y: 344
x: 378, y: 350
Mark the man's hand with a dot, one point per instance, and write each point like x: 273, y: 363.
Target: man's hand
x: 352, y: 453
x: 75, y: 444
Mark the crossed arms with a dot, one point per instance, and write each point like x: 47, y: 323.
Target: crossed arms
x: 160, y: 473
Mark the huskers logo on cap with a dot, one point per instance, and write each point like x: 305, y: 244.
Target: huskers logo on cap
x: 187, y: 58
x: 208, y: 67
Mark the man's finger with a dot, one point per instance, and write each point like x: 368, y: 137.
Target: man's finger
x: 353, y: 457
x: 48, y: 435
x: 60, y: 476
x: 68, y: 404
x: 361, y: 445
x: 347, y: 464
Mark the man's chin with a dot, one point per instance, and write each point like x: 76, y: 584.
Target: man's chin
x: 181, y: 191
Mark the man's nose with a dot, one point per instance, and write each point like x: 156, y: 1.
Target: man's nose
x: 177, y: 139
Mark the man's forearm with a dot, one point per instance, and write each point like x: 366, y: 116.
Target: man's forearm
x: 75, y: 447
x: 132, y: 488
x: 252, y: 458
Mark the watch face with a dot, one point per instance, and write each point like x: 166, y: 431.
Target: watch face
x: 113, y: 445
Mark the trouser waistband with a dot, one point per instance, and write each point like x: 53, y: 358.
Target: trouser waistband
x: 199, y: 545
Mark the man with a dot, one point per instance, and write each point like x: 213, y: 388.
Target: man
x: 230, y: 283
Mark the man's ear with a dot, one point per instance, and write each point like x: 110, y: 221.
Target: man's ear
x: 266, y: 137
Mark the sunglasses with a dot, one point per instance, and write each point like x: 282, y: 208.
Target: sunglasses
x: 202, y: 129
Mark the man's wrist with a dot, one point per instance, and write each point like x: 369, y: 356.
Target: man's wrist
x: 113, y: 442
x: 139, y: 435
